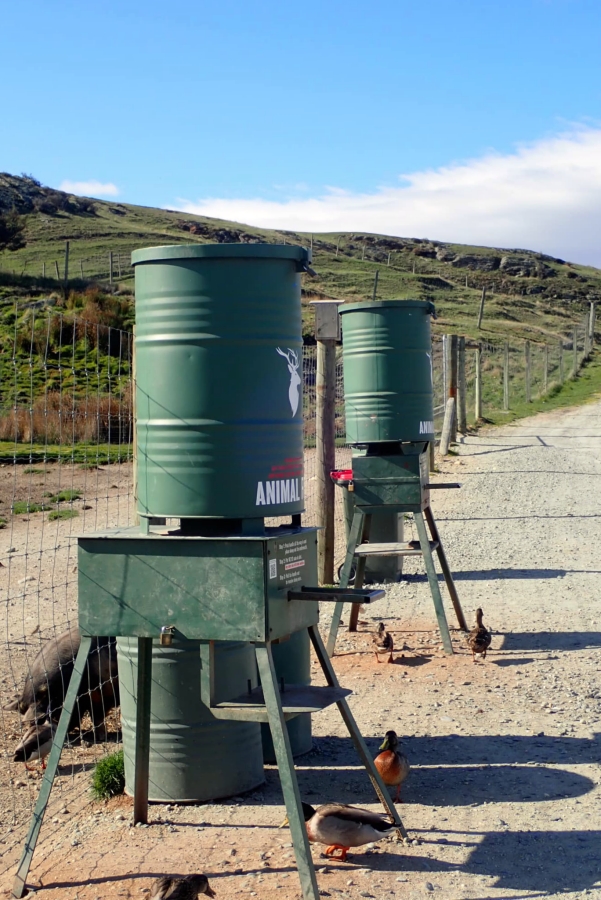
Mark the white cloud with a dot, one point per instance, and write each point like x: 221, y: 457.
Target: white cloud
x: 90, y: 188
x: 544, y: 196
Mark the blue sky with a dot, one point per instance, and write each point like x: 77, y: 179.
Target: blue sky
x: 394, y: 116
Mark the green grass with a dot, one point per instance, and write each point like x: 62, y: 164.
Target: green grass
x: 87, y: 454
x: 25, y: 507
x: 31, y: 470
x: 585, y: 387
x: 3, y: 522
x: 108, y: 777
x: 67, y: 496
x: 62, y: 514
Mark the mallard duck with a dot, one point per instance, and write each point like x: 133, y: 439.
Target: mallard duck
x: 36, y: 743
x: 383, y: 642
x: 341, y: 827
x: 174, y: 887
x: 392, y: 765
x: 479, y: 637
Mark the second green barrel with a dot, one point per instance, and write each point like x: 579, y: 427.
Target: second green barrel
x: 387, y: 358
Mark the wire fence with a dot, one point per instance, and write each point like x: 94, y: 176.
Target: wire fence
x: 66, y: 427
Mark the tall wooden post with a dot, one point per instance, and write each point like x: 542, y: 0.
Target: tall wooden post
x: 110, y: 266
x: 58, y: 274
x: 66, y: 272
x: 561, y: 372
x: 478, y: 404
x: 527, y: 373
x: 327, y: 332
x: 545, y: 369
x: 481, y: 310
x: 451, y: 370
x: 575, y: 348
x: 461, y: 387
x: 506, y: 376
x: 591, y: 323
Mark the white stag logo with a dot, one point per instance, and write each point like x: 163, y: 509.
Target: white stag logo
x: 293, y: 391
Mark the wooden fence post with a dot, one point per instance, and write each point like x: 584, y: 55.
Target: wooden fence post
x: 506, y: 376
x: 461, y: 387
x: 591, y: 323
x: 337, y: 245
x: 527, y: 373
x: 327, y: 332
x: 545, y: 369
x: 445, y: 370
x: 575, y: 349
x: 447, y: 426
x: 66, y: 273
x: 481, y: 310
x: 44, y: 269
x: 561, y: 372
x: 110, y: 266
x: 451, y: 368
x: 478, y: 404
x: 81, y: 267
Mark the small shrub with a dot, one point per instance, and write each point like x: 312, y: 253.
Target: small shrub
x: 24, y: 507
x: 62, y: 514
x: 108, y: 778
x: 2, y: 523
x: 67, y: 496
x: 31, y: 470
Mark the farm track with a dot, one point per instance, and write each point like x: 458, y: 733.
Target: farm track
x: 504, y: 795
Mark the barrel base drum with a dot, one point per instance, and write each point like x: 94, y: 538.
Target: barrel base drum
x: 194, y: 757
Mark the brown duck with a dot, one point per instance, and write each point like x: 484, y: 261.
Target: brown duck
x: 174, y: 887
x: 383, y: 642
x: 479, y: 637
x: 392, y: 765
x: 341, y: 827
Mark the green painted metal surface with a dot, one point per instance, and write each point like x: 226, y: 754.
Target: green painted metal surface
x: 219, y: 380
x: 386, y: 527
x: 292, y: 661
x: 219, y: 589
x: 396, y: 482
x: 387, y: 359
x: 193, y: 755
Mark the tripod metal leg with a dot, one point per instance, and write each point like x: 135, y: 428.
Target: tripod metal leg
x: 50, y: 773
x: 446, y: 571
x: 142, y: 759
x: 349, y: 721
x: 354, y: 539
x: 433, y: 581
x: 283, y: 755
x: 360, y: 573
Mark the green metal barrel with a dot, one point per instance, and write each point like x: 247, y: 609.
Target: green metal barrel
x: 219, y: 380
x: 292, y: 661
x: 193, y: 756
x: 387, y: 360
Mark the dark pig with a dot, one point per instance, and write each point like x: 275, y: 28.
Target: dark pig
x: 50, y: 672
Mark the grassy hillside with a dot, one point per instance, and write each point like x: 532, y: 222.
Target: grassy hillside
x: 529, y: 295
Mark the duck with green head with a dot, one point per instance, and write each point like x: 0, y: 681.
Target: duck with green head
x: 341, y: 827
x: 392, y: 765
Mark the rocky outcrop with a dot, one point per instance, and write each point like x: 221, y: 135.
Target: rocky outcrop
x: 25, y: 194
x: 526, y: 267
x: 477, y: 263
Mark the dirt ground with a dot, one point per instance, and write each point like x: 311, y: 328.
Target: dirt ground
x: 503, y: 800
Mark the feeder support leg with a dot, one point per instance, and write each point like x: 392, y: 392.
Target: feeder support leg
x: 357, y: 737
x: 360, y: 572
x: 446, y: 571
x: 283, y: 755
x: 433, y: 581
x: 142, y: 757
x: 51, y: 769
x: 354, y: 539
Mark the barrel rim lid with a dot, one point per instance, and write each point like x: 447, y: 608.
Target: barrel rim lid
x: 368, y: 305
x: 220, y: 251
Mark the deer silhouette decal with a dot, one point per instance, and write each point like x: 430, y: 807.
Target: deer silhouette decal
x: 293, y: 391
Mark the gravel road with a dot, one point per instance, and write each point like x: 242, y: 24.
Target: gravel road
x: 503, y: 800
